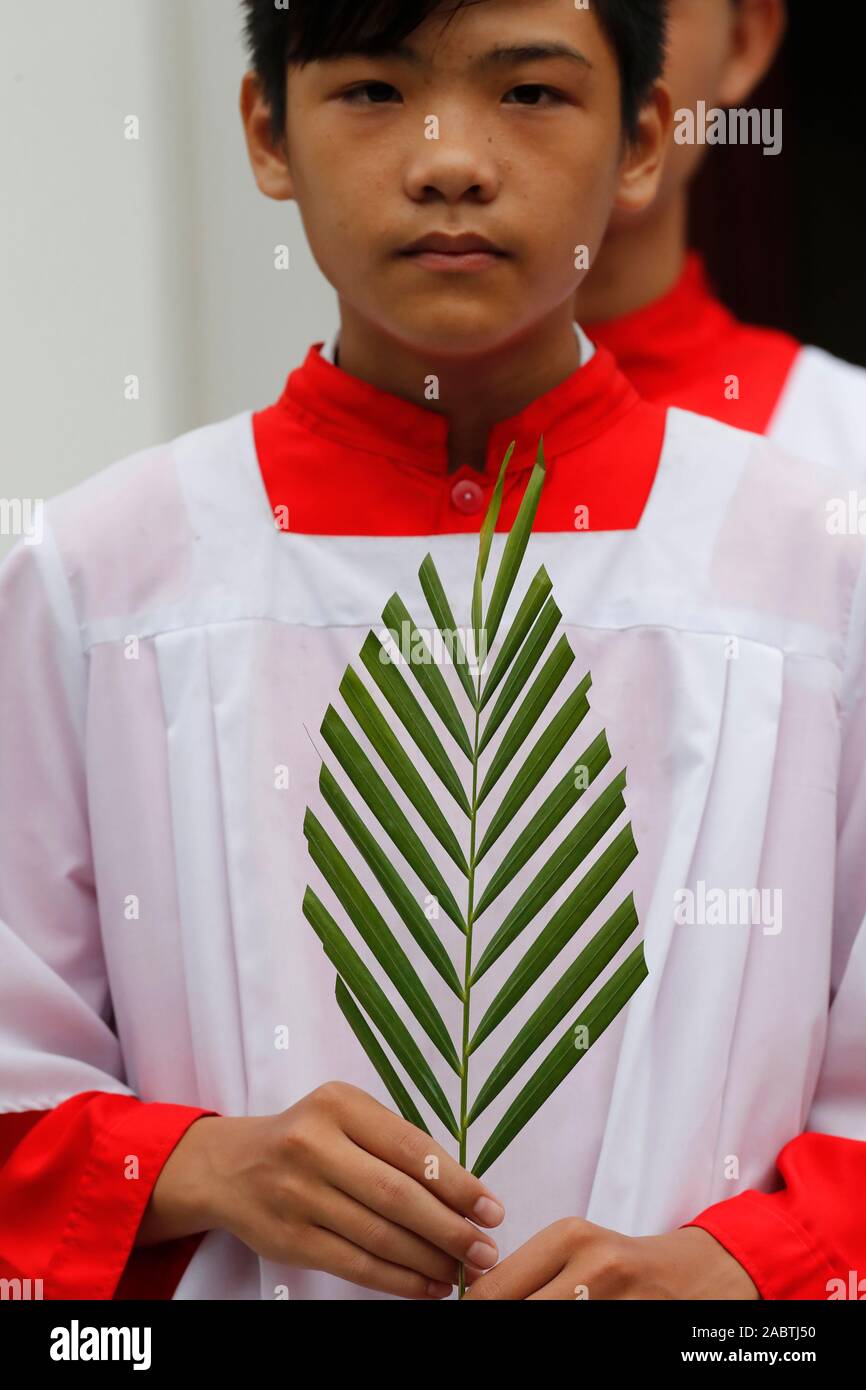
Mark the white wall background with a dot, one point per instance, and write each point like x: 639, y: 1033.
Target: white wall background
x: 152, y: 257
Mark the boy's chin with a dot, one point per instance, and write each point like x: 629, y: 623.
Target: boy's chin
x: 455, y: 341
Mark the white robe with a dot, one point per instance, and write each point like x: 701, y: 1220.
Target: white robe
x: 821, y: 413
x: 166, y: 650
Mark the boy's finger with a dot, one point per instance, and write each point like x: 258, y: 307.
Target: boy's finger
x: 386, y: 1239
x: 408, y: 1202
x: 335, y: 1255
x: 534, y: 1264
x: 404, y: 1146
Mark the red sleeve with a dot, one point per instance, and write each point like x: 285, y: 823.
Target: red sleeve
x: 792, y: 1242
x: 70, y: 1204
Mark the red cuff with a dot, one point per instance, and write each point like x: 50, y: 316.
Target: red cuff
x: 73, y: 1193
x: 778, y: 1256
x: 807, y: 1240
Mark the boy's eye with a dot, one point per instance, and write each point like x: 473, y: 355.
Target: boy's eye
x: 355, y: 92
x: 536, y: 87
x: 382, y: 89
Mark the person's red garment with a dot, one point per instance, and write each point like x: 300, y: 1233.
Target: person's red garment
x: 795, y: 1242
x: 393, y: 480
x: 74, y: 1185
x: 687, y: 350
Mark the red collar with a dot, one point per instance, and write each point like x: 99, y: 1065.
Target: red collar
x: 348, y: 410
x: 344, y: 457
x: 686, y: 349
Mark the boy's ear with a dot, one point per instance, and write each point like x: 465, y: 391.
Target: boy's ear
x: 757, y: 30
x: 644, y: 157
x: 269, y: 159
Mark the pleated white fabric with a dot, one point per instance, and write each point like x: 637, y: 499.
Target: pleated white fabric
x: 168, y: 658
x: 821, y: 412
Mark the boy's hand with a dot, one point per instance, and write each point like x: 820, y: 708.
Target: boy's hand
x: 337, y: 1183
x: 575, y: 1259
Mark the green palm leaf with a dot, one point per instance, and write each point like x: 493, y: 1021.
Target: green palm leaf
x: 373, y: 928
x: 515, y: 549
x: 578, y: 906
x: 544, y: 687
x: 520, y: 741
x: 488, y: 527
x: 394, y: 756
x: 380, y: 801
x: 392, y: 685
x: 565, y: 794
x: 392, y: 882
x: 568, y: 989
x: 555, y: 1068
x: 431, y: 680
x: 532, y: 604
x: 443, y: 617
x: 343, y: 955
x: 573, y: 849
x: 378, y: 1056
x: 522, y: 669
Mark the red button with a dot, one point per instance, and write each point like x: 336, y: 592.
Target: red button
x: 467, y: 496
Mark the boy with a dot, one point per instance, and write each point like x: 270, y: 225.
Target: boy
x: 156, y: 694
x: 648, y: 299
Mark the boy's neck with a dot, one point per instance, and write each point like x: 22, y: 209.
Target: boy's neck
x: 636, y: 265
x: 474, y: 394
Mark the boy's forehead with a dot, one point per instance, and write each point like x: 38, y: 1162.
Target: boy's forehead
x: 480, y: 37
x: 417, y: 55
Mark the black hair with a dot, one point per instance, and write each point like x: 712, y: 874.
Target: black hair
x: 306, y: 30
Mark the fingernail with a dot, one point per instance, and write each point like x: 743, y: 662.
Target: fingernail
x: 437, y: 1290
x: 488, y: 1211
x: 482, y: 1255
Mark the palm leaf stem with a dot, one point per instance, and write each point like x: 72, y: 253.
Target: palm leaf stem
x: 467, y: 977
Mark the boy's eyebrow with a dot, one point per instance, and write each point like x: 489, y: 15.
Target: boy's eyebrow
x: 502, y: 55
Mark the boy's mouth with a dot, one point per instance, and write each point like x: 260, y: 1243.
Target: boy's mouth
x: 443, y: 251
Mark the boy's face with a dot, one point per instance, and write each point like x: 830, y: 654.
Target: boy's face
x: 529, y: 154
